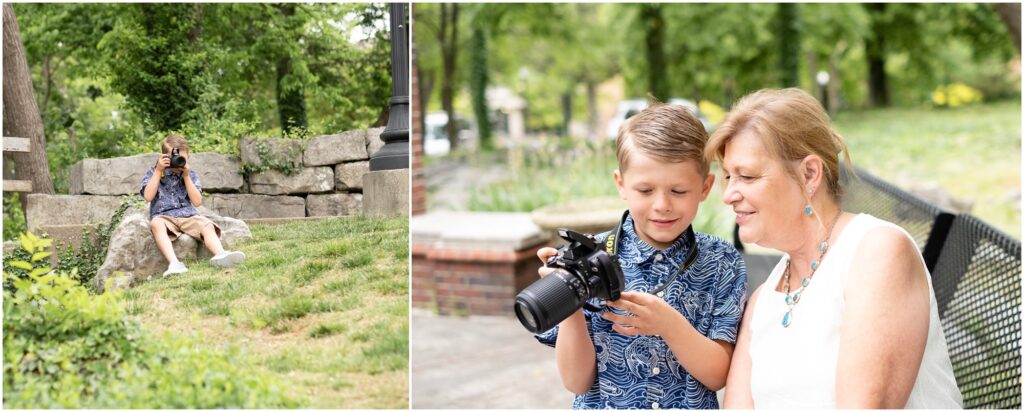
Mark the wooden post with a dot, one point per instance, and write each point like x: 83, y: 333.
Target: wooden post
x: 17, y: 144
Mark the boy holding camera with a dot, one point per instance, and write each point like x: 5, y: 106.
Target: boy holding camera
x: 174, y: 194
x: 670, y: 349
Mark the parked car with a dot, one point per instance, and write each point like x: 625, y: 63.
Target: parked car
x: 435, y: 141
x: 630, y: 107
x: 435, y: 137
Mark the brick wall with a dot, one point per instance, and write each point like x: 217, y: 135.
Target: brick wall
x: 464, y: 282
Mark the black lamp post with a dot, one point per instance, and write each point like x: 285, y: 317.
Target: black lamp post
x: 395, y: 153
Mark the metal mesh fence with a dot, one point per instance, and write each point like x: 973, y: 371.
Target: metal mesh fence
x: 977, y: 285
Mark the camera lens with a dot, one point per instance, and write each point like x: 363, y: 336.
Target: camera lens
x: 525, y: 316
x: 550, y: 300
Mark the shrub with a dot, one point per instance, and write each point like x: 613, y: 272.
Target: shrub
x: 955, y: 95
x: 66, y: 348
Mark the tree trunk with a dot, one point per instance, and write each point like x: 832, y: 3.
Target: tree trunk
x: 1010, y: 14
x: 425, y: 84
x: 592, y: 116
x: 654, y: 42
x: 566, y: 111
x: 291, y: 101
x: 449, y: 51
x: 788, y: 20
x: 21, y: 112
x: 878, y: 89
x: 835, y: 81
x: 478, y: 79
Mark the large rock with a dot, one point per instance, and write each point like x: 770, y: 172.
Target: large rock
x: 132, y: 255
x: 276, y: 150
x: 243, y: 206
x: 335, y: 204
x: 373, y: 142
x: 308, y: 180
x: 336, y: 148
x: 123, y: 175
x: 349, y: 176
x: 45, y: 210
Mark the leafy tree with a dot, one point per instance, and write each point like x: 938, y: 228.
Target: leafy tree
x: 788, y: 20
x: 156, y: 60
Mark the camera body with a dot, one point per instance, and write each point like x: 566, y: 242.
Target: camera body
x: 584, y: 271
x: 177, y: 160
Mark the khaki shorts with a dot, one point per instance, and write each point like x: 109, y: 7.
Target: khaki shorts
x: 192, y: 226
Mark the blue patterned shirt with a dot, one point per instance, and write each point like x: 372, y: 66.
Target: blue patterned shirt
x: 171, y: 197
x: 641, y: 371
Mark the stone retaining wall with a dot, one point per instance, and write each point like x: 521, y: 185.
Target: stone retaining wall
x: 328, y: 181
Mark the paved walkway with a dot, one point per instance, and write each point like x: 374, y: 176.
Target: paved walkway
x: 481, y: 362
x: 450, y: 182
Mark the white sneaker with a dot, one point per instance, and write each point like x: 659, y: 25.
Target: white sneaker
x: 227, y: 259
x: 175, y: 268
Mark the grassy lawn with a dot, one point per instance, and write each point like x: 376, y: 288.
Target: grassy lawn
x: 972, y: 152
x: 322, y: 306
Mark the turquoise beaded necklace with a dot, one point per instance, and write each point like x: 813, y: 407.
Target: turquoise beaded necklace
x: 792, y: 300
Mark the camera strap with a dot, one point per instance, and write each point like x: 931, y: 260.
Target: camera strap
x: 611, y: 246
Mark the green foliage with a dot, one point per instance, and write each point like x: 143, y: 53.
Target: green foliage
x: 542, y: 52
x: 283, y: 162
x: 26, y: 261
x: 156, y: 60
x: 14, y: 217
x: 66, y: 348
x: 87, y: 259
x: 113, y: 79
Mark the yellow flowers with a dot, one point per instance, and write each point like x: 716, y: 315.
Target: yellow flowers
x: 955, y: 95
x: 713, y: 112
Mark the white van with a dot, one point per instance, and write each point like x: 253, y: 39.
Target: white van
x: 628, y: 108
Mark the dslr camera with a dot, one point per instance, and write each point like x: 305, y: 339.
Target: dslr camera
x: 177, y: 160
x: 584, y: 271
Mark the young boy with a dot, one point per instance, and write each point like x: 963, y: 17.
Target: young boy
x: 172, y: 210
x: 671, y: 349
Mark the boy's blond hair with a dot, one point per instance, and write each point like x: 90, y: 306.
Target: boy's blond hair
x: 667, y: 132
x: 174, y: 140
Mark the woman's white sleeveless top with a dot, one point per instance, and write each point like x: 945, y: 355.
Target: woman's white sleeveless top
x: 795, y: 367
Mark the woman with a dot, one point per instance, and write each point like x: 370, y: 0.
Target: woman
x: 848, y: 316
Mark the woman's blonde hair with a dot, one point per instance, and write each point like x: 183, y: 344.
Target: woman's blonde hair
x: 792, y: 125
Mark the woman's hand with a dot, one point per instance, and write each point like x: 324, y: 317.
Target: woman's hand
x: 651, y: 315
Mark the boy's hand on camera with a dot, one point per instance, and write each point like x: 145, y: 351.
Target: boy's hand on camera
x: 163, y: 163
x: 651, y: 315
x: 544, y: 254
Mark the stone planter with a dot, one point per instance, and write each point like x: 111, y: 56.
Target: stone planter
x: 590, y: 216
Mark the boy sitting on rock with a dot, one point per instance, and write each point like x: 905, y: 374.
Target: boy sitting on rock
x: 172, y: 209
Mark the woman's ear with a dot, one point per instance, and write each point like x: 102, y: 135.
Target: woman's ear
x: 812, y: 171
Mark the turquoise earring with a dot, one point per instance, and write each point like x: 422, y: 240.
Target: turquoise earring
x: 807, y: 210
